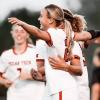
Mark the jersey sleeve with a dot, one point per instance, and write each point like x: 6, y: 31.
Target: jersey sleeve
x: 76, y: 50
x: 41, y: 49
x: 57, y: 36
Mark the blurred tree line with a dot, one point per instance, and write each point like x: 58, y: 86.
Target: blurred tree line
x: 90, y: 9
x: 6, y: 41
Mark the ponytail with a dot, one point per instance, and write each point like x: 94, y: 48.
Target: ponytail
x: 69, y: 40
x: 78, y: 23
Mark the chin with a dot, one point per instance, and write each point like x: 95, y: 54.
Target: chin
x: 19, y: 42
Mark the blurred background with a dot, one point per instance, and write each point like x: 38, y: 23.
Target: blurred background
x: 28, y: 10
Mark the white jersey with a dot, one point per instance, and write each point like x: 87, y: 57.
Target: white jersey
x: 57, y: 80
x: 42, y: 50
x: 76, y: 50
x: 83, y: 81
x: 21, y: 89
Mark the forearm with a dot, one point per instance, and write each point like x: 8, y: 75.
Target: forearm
x: 75, y: 66
x: 2, y: 80
x: 36, y: 31
x: 95, y: 91
x: 87, y: 35
x: 74, y: 69
x: 83, y: 36
x: 30, y: 28
x: 96, y: 40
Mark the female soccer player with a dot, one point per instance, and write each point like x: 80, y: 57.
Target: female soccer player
x: 95, y: 89
x: 21, y: 57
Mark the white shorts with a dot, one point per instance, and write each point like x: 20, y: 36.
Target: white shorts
x: 28, y: 92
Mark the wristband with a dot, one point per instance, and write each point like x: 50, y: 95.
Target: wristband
x: 94, y: 33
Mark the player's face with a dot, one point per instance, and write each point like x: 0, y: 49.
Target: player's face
x: 44, y: 20
x: 19, y: 35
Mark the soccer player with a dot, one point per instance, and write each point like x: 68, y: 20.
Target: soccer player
x: 21, y: 57
x: 78, y: 24
x: 95, y: 89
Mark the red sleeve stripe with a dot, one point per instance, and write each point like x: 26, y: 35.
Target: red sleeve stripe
x: 60, y: 95
x: 50, y: 43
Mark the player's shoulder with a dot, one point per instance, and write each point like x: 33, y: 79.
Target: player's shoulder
x: 52, y: 31
x: 55, y: 30
x: 56, y: 34
x: 40, y: 42
x: 31, y: 47
x: 6, y: 52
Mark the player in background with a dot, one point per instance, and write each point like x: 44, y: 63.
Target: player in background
x: 80, y: 35
x: 21, y: 57
x: 95, y: 88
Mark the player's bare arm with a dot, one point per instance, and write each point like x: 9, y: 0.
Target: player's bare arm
x: 83, y: 36
x: 60, y: 64
x: 95, y: 91
x: 87, y: 35
x: 30, y: 28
